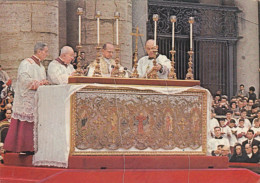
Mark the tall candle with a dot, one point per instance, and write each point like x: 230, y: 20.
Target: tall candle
x: 191, y: 21
x: 80, y: 12
x: 117, y: 15
x: 173, y: 20
x: 79, y: 29
x: 190, y: 36
x: 98, y: 24
x: 155, y: 19
x: 117, y: 31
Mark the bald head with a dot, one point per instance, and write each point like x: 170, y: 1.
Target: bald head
x: 149, y: 42
x: 67, y: 54
x: 66, y: 49
x: 149, y: 45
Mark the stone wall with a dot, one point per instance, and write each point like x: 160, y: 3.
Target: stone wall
x: 248, y: 45
x: 62, y: 23
x: 140, y: 17
x: 107, y: 26
x: 23, y: 23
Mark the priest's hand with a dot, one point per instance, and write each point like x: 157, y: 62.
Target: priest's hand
x: 44, y: 82
x: 157, y: 67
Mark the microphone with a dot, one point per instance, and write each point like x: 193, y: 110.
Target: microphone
x: 125, y: 68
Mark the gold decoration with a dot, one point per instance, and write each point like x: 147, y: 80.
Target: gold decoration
x: 79, y: 71
x: 136, y: 34
x: 115, y: 71
x: 172, y: 74
x: 189, y: 75
x: 110, y: 119
x: 97, y: 71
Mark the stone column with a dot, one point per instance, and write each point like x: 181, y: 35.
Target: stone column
x: 107, y: 26
x: 62, y: 23
x: 140, y: 17
x: 248, y: 45
x: 23, y: 23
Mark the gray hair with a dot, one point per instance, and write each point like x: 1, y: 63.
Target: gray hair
x: 66, y: 49
x: 39, y: 46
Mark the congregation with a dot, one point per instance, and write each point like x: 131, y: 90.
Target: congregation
x: 234, y: 127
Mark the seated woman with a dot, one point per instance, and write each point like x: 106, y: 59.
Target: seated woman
x: 239, y: 155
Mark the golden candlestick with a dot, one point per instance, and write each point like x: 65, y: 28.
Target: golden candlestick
x: 115, y: 71
x: 153, y: 73
x: 189, y: 75
x: 172, y: 74
x: 97, y: 71
x: 79, y: 71
x: 135, y: 72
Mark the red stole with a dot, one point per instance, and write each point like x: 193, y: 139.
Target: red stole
x: 61, y: 62
x: 36, y: 60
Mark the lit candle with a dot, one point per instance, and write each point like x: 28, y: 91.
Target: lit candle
x: 155, y: 19
x: 80, y: 12
x: 191, y: 21
x: 98, y: 14
x: 173, y: 20
x: 117, y: 15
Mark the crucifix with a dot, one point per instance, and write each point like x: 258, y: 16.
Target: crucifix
x: 136, y: 34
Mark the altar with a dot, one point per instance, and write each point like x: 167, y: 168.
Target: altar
x: 119, y: 119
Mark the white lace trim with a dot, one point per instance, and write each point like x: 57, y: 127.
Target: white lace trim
x: 23, y: 117
x: 50, y: 163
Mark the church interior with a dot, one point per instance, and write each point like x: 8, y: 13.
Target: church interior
x: 130, y: 91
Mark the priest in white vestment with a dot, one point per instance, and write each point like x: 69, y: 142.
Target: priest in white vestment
x: 107, y: 64
x: 145, y: 64
x: 60, y: 69
x: 31, y: 75
x: 214, y: 142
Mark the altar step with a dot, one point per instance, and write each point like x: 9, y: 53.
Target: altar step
x: 14, y: 174
x: 130, y: 162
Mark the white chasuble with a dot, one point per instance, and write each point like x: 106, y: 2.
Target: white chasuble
x: 145, y: 65
x: 105, y: 67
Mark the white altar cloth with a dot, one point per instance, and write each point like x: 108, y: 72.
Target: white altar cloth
x: 52, y: 125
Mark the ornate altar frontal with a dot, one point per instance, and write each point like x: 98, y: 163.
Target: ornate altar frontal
x: 125, y: 120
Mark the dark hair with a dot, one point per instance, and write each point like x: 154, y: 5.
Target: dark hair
x: 232, y: 121
x: 252, y: 88
x: 243, y: 110
x: 232, y: 103
x: 241, y: 119
x: 221, y: 119
x: 252, y: 131
x: 254, y: 106
x: 229, y: 111
x: 216, y: 127
x: 105, y: 45
x: 242, y: 85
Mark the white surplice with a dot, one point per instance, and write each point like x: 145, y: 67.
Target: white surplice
x: 29, y: 74
x: 59, y: 73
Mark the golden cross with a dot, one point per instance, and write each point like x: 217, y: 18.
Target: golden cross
x: 136, y: 34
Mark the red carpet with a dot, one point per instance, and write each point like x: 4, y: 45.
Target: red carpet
x: 10, y: 174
